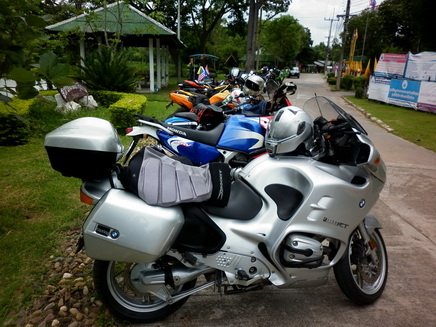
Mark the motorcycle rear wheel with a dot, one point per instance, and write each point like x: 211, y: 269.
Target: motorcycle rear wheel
x: 115, y: 284
x: 359, y: 278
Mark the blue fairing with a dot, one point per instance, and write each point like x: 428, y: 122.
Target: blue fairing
x: 198, y: 153
x: 242, y: 134
x: 259, y: 108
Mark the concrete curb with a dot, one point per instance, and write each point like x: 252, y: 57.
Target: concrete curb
x: 370, y: 117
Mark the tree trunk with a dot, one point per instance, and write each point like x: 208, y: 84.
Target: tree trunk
x: 251, y: 36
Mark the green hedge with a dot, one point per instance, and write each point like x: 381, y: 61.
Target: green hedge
x: 123, y: 107
x: 19, y: 119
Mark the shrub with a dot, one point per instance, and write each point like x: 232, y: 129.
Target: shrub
x: 331, y: 80
x: 106, y: 98
x: 108, y: 69
x: 359, y: 92
x: 14, y: 129
x: 124, y: 110
x: 43, y: 116
x: 347, y: 82
x: 26, y: 90
x: 360, y: 81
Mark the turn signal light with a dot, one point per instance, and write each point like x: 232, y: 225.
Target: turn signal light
x: 86, y: 198
x: 128, y: 130
x: 377, y: 161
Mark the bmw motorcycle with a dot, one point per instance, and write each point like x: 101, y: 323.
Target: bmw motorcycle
x: 290, y: 219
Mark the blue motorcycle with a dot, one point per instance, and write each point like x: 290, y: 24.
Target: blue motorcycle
x: 236, y: 140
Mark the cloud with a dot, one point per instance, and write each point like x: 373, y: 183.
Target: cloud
x: 315, y: 15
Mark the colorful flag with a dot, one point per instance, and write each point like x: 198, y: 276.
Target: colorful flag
x: 202, y: 73
x: 372, y: 4
x: 368, y: 69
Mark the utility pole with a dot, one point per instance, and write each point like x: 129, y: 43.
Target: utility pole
x: 328, y: 44
x: 179, y: 59
x: 344, y: 38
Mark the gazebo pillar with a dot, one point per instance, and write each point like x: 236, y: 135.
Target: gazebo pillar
x: 158, y: 64
x: 167, y: 63
x: 151, y: 63
x: 82, y: 51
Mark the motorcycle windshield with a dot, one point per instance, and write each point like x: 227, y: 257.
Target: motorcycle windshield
x: 321, y: 106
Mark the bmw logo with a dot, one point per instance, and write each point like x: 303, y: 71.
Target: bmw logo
x: 115, y: 234
x: 362, y: 203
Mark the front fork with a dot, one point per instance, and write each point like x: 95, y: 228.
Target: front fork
x: 367, y: 227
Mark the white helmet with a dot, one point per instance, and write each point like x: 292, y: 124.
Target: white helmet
x: 290, y: 128
x: 254, y: 85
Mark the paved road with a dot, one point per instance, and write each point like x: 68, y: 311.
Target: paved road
x: 406, y: 209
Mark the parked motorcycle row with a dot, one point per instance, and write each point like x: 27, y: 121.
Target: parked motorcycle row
x: 236, y: 111
x: 240, y: 194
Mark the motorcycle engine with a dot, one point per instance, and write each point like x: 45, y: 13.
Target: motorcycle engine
x: 302, y: 251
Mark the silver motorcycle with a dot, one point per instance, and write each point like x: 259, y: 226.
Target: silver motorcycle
x: 293, y: 214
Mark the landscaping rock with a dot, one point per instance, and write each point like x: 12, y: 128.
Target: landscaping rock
x: 69, y: 299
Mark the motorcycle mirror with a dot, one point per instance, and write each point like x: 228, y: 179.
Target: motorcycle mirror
x: 291, y: 88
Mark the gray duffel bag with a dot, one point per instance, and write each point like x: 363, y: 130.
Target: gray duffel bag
x: 165, y: 181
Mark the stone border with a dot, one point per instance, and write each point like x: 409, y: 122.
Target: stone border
x: 370, y: 117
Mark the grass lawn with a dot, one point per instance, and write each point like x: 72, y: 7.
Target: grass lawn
x: 38, y: 206
x: 415, y: 126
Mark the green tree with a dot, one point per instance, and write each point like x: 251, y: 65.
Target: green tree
x: 408, y: 25
x: 283, y: 38
x: 198, y: 18
x: 371, y: 41
x: 224, y: 43
x: 21, y: 24
x: 396, y: 26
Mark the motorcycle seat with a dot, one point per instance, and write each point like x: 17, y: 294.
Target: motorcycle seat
x: 187, y: 115
x: 210, y: 137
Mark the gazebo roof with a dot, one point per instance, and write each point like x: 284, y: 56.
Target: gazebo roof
x: 117, y: 18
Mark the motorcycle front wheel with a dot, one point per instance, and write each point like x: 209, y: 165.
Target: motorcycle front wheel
x: 359, y: 277
x: 119, y: 287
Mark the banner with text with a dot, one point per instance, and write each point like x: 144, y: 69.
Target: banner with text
x: 391, y: 65
x: 404, y: 93
x: 378, y: 88
x: 427, y: 97
x: 421, y: 66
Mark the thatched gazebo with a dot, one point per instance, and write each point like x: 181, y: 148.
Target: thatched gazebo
x: 134, y: 28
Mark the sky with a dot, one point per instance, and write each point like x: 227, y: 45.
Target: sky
x: 316, y: 14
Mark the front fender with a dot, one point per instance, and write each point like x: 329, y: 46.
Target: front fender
x: 371, y: 224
